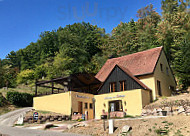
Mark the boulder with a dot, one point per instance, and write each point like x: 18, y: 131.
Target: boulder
x: 187, y: 111
x: 20, y: 120
x: 69, y: 126
x: 126, y: 128
x: 181, y: 113
x: 47, y: 125
x: 159, y: 110
x: 167, y: 109
x: 181, y: 109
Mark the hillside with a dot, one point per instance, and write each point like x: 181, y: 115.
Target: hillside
x: 83, y: 47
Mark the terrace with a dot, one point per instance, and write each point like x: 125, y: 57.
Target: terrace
x: 80, y: 82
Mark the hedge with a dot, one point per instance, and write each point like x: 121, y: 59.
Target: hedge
x: 2, y: 100
x: 20, y: 99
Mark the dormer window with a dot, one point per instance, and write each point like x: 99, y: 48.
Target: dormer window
x: 161, y: 67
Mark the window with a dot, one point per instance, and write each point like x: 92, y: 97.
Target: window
x: 167, y: 72
x: 86, y: 105
x: 171, y: 88
x: 159, y: 88
x: 113, y: 87
x: 122, y: 85
x: 115, y: 105
x: 161, y: 67
x: 91, y: 106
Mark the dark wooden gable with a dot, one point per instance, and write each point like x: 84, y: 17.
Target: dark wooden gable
x: 117, y: 75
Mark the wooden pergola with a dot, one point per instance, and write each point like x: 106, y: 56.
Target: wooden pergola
x: 81, y: 82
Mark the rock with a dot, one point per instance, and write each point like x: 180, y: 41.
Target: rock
x: 126, y: 128
x: 159, y: 113
x: 188, y: 114
x: 20, y: 120
x: 175, y: 108
x: 187, y: 111
x: 181, y: 109
x: 169, y: 113
x: 182, y: 113
x: 143, y: 111
x: 167, y: 109
x: 175, y: 113
x: 69, y: 126
x: 81, y: 125
x: 47, y: 125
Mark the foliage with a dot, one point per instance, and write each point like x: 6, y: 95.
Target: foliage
x: 20, y: 99
x: 82, y: 47
x: 25, y: 76
x: 2, y: 100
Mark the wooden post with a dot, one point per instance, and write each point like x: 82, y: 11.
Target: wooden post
x: 69, y: 84
x: 52, y: 85
x: 36, y: 88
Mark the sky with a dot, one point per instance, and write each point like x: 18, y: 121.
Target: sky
x: 22, y: 21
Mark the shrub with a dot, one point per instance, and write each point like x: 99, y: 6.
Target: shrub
x: 2, y: 100
x: 20, y: 99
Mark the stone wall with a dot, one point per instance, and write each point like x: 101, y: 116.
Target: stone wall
x: 170, y: 108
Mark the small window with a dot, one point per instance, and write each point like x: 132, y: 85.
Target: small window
x: 86, y: 105
x: 113, y: 87
x: 122, y: 85
x: 171, y: 88
x: 167, y: 72
x: 159, y: 88
x: 161, y: 67
x: 90, y: 106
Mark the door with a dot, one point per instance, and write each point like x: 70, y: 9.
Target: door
x: 159, y: 88
x: 80, y: 107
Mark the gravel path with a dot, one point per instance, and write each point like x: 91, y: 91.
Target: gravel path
x: 7, y: 120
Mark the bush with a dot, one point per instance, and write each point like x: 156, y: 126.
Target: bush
x: 20, y: 99
x: 2, y: 100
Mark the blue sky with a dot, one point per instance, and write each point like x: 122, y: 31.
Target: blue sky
x: 22, y: 21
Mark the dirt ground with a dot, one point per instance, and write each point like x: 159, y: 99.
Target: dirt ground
x: 172, y: 126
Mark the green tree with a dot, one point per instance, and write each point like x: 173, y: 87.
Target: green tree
x: 25, y: 77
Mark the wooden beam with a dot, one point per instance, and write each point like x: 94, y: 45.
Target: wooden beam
x: 52, y: 85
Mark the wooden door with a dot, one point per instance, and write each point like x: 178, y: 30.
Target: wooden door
x: 80, y: 107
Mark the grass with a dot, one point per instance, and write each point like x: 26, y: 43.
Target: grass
x: 129, y: 116
x: 43, y: 112
x: 7, y: 109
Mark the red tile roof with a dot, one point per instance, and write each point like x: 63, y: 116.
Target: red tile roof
x: 139, y: 63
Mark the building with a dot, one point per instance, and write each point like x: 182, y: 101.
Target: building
x: 124, y: 85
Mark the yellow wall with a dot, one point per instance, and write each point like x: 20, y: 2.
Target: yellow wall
x: 149, y: 81
x: 146, y: 97
x: 86, y: 98
x: 133, y: 99
x: 59, y: 103
x: 166, y: 80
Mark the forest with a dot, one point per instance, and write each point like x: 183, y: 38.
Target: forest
x: 83, y: 47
